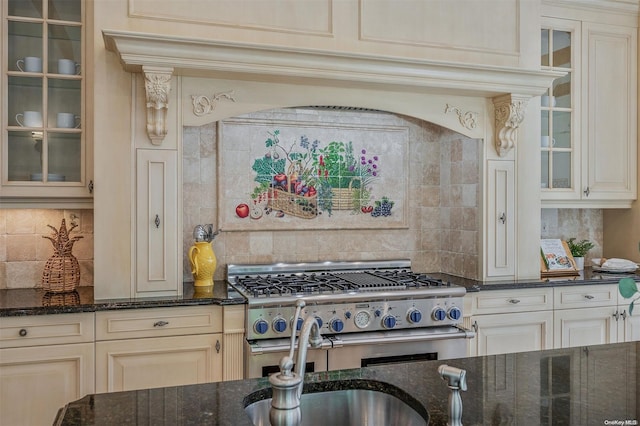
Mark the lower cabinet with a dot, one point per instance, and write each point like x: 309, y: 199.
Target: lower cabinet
x: 508, y: 333
x: 592, y: 315
x: 123, y: 365
x: 159, y: 347
x: 45, y: 362
x: 507, y: 321
x: 518, y: 320
x: 584, y: 327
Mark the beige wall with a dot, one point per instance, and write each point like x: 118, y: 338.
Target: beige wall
x: 23, y: 251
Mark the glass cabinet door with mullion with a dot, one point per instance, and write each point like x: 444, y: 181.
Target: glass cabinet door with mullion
x: 44, y: 146
x: 559, y: 173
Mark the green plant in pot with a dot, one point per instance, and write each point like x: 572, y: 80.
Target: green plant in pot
x: 579, y: 250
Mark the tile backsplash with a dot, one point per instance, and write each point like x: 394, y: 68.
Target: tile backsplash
x: 443, y: 201
x: 582, y: 224
x: 23, y: 251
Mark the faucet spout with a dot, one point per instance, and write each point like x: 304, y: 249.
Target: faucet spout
x: 309, y: 334
x: 287, y: 385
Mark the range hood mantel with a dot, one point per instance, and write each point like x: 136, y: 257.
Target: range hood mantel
x: 160, y: 56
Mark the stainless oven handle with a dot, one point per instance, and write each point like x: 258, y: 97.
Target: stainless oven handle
x: 267, y: 347
x: 399, y: 337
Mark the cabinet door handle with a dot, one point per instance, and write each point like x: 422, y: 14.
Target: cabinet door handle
x: 616, y: 315
x: 503, y: 218
x: 514, y: 301
x: 157, y: 221
x: 22, y: 332
x: 90, y: 186
x: 624, y: 315
x: 217, y: 346
x: 588, y: 296
x: 475, y: 326
x: 587, y: 192
x: 160, y: 323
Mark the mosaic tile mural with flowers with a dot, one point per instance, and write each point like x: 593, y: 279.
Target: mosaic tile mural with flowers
x: 316, y: 175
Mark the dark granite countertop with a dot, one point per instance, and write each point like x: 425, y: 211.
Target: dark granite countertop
x: 584, y: 385
x: 21, y: 302
x: 586, y: 277
x: 32, y: 301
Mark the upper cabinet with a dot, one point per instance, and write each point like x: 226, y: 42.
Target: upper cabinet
x: 589, y: 117
x: 46, y: 156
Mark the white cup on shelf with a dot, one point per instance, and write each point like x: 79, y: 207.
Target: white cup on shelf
x: 29, y: 119
x: 68, y: 67
x: 67, y: 120
x: 30, y: 64
x: 545, y: 140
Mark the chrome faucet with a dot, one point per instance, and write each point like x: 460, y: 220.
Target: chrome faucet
x: 456, y: 379
x: 287, y: 385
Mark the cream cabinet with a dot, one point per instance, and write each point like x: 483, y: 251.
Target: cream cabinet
x: 45, y: 362
x: 509, y: 321
x: 158, y: 264
x: 589, y: 117
x: 46, y: 151
x: 501, y: 229
x: 150, y: 348
x: 592, y: 315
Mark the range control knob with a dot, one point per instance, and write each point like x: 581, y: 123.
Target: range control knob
x: 389, y: 321
x: 454, y: 313
x: 438, y: 314
x: 279, y: 325
x: 347, y: 315
x: 336, y: 325
x: 377, y: 313
x: 414, y: 316
x: 261, y: 326
x: 319, y: 321
x: 298, y: 325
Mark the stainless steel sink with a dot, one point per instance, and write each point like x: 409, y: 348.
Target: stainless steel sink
x: 346, y: 407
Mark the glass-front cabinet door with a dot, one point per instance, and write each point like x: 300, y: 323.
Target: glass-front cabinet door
x: 559, y: 136
x: 44, y: 147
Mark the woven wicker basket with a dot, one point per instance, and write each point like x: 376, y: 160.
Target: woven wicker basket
x: 69, y: 298
x: 343, y: 197
x: 291, y: 203
x: 61, y: 271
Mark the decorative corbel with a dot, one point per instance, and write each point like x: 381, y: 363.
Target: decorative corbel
x: 509, y: 113
x: 157, y: 85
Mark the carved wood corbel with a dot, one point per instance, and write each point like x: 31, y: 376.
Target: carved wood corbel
x: 157, y: 85
x: 509, y: 113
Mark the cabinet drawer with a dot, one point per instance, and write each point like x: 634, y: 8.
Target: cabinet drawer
x: 153, y: 322
x: 584, y: 296
x: 40, y: 330
x: 506, y: 301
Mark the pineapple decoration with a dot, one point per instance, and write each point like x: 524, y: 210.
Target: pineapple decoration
x: 62, y: 271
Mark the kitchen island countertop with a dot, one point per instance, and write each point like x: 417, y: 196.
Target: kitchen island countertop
x: 583, y: 385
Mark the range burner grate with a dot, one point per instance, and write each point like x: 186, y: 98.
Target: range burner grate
x: 334, y: 282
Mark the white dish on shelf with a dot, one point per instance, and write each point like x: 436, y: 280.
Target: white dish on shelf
x: 614, y: 265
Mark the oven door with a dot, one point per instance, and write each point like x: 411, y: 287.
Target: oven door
x: 262, y: 357
x: 358, y: 350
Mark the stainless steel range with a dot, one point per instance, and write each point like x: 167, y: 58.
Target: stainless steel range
x: 369, y: 313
